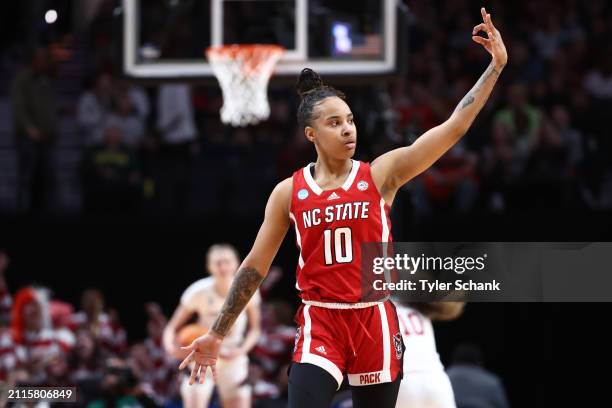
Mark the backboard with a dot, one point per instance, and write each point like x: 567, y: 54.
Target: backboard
x: 168, y: 38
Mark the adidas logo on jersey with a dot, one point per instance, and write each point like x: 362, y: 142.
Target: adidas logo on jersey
x: 333, y: 196
x: 321, y: 349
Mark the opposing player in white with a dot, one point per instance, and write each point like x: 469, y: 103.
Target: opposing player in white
x: 205, y: 297
x: 425, y: 384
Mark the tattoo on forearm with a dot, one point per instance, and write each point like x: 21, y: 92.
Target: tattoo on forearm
x: 470, y: 97
x: 245, y: 283
x: 467, y: 100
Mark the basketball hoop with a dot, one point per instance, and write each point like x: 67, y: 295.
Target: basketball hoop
x: 243, y: 71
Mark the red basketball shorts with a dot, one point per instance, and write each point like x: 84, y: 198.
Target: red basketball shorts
x: 366, y: 344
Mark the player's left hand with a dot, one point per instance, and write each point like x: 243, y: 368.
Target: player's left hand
x: 203, y: 351
x: 493, y: 43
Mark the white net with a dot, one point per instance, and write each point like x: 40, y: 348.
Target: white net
x: 243, y: 71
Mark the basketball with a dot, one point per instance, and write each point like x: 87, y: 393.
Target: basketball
x: 189, y: 333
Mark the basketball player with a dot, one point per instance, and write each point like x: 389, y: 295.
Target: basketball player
x: 205, y: 298
x: 335, y: 205
x: 425, y: 384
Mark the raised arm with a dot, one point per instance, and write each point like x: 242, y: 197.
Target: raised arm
x: 397, y: 167
x: 252, y: 271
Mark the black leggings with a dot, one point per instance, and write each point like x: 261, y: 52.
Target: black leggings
x: 313, y: 387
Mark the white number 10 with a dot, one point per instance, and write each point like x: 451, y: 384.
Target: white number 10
x: 343, y: 245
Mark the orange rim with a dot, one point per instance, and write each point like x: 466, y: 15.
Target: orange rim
x: 253, y: 56
x: 243, y: 49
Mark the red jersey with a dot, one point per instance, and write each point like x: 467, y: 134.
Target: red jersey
x: 330, y: 226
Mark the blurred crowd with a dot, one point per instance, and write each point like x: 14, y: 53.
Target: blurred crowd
x: 542, y: 139
x: 45, y: 341
x: 540, y: 142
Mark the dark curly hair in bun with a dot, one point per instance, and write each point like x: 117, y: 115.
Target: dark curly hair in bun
x: 312, y: 90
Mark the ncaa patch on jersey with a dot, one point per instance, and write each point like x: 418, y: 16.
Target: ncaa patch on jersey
x: 362, y: 185
x: 397, y: 345
x: 302, y: 194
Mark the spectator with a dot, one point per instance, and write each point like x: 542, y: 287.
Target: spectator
x: 10, y: 354
x: 273, y: 351
x: 598, y: 81
x: 120, y: 388
x: 86, y: 367
x: 59, y: 320
x: 43, y: 352
x: 143, y: 368
x: 176, y: 125
x: 104, y: 328
x: 571, y: 137
x: 450, y: 182
x: 500, y: 168
x: 35, y: 123
x: 549, y: 37
x: 175, y: 115
x: 473, y: 386
x: 416, y: 113
x: 138, y: 98
x: 111, y: 179
x: 85, y: 360
x: 547, y: 171
x: 563, y: 62
x: 155, y: 369
x: 127, y: 118
x: 6, y: 302
x: 12, y: 357
x: 93, y: 109
x: 521, y: 119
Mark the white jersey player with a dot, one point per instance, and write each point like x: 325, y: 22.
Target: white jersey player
x: 425, y: 384
x: 205, y: 297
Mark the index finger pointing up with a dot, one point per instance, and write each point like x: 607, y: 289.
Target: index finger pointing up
x: 486, y: 17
